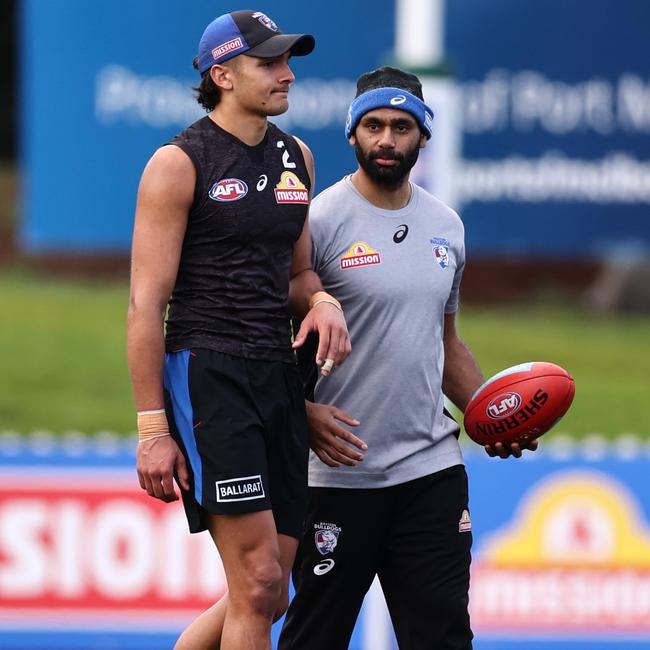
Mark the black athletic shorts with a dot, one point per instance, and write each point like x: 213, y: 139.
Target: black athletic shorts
x: 242, y: 427
x: 415, y: 536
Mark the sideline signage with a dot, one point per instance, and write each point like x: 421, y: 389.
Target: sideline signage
x: 561, y: 555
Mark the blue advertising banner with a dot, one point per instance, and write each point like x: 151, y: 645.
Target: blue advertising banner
x: 541, y: 136
x: 556, y: 125
x: 120, y: 86
x: 561, y: 553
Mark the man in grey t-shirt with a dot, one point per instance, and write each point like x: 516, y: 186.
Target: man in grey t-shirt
x: 391, y: 500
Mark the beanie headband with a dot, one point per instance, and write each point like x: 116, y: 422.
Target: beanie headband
x: 389, y: 98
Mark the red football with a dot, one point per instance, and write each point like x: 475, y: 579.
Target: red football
x: 519, y: 403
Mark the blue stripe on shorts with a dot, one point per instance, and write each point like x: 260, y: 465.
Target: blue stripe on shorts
x: 177, y: 385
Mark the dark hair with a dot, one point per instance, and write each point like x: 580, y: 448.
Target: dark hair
x: 388, y: 77
x: 207, y: 93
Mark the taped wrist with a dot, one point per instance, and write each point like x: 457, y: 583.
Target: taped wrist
x: 152, y: 424
x: 323, y: 296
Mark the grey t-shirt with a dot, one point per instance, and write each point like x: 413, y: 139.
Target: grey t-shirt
x: 396, y: 273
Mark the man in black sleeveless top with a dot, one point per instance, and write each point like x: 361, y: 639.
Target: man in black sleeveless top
x: 221, y: 238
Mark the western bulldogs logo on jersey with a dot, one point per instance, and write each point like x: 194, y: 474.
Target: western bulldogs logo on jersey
x: 326, y: 537
x: 441, y: 251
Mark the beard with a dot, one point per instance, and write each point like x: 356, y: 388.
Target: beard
x: 392, y: 176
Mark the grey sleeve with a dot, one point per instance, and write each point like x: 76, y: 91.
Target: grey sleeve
x: 315, y: 256
x: 451, y: 305
x: 320, y: 239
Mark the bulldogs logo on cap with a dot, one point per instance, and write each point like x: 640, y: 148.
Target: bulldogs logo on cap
x: 266, y: 21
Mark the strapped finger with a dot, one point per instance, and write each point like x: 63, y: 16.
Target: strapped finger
x: 323, y: 346
x: 328, y: 366
x: 332, y: 351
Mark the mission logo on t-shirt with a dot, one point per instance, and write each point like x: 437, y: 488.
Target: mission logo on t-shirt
x: 360, y: 254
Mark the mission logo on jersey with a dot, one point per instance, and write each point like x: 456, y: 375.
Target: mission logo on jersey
x: 290, y: 189
x: 360, y: 254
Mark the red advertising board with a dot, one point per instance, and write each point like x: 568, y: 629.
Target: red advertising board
x: 91, y: 545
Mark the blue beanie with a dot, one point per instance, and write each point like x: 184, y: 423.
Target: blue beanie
x: 389, y: 98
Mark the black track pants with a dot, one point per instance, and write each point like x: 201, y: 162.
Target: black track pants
x: 411, y: 536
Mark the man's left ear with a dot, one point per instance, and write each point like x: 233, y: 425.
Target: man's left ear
x: 423, y: 141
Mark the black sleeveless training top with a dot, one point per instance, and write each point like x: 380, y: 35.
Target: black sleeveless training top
x: 250, y: 204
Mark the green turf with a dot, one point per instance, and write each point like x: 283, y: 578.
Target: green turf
x: 63, y: 365
x: 609, y: 358
x: 62, y: 349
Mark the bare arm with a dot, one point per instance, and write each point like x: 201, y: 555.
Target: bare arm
x: 164, y: 199
x: 304, y: 282
x: 331, y: 442
x: 324, y: 318
x: 462, y: 376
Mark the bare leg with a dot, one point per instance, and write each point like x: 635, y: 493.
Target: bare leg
x: 252, y: 554
x: 204, y: 633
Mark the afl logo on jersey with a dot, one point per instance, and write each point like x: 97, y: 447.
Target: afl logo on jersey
x: 229, y: 189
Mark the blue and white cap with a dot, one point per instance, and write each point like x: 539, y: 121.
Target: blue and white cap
x: 247, y: 32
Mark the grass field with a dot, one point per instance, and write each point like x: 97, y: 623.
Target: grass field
x: 64, y: 366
